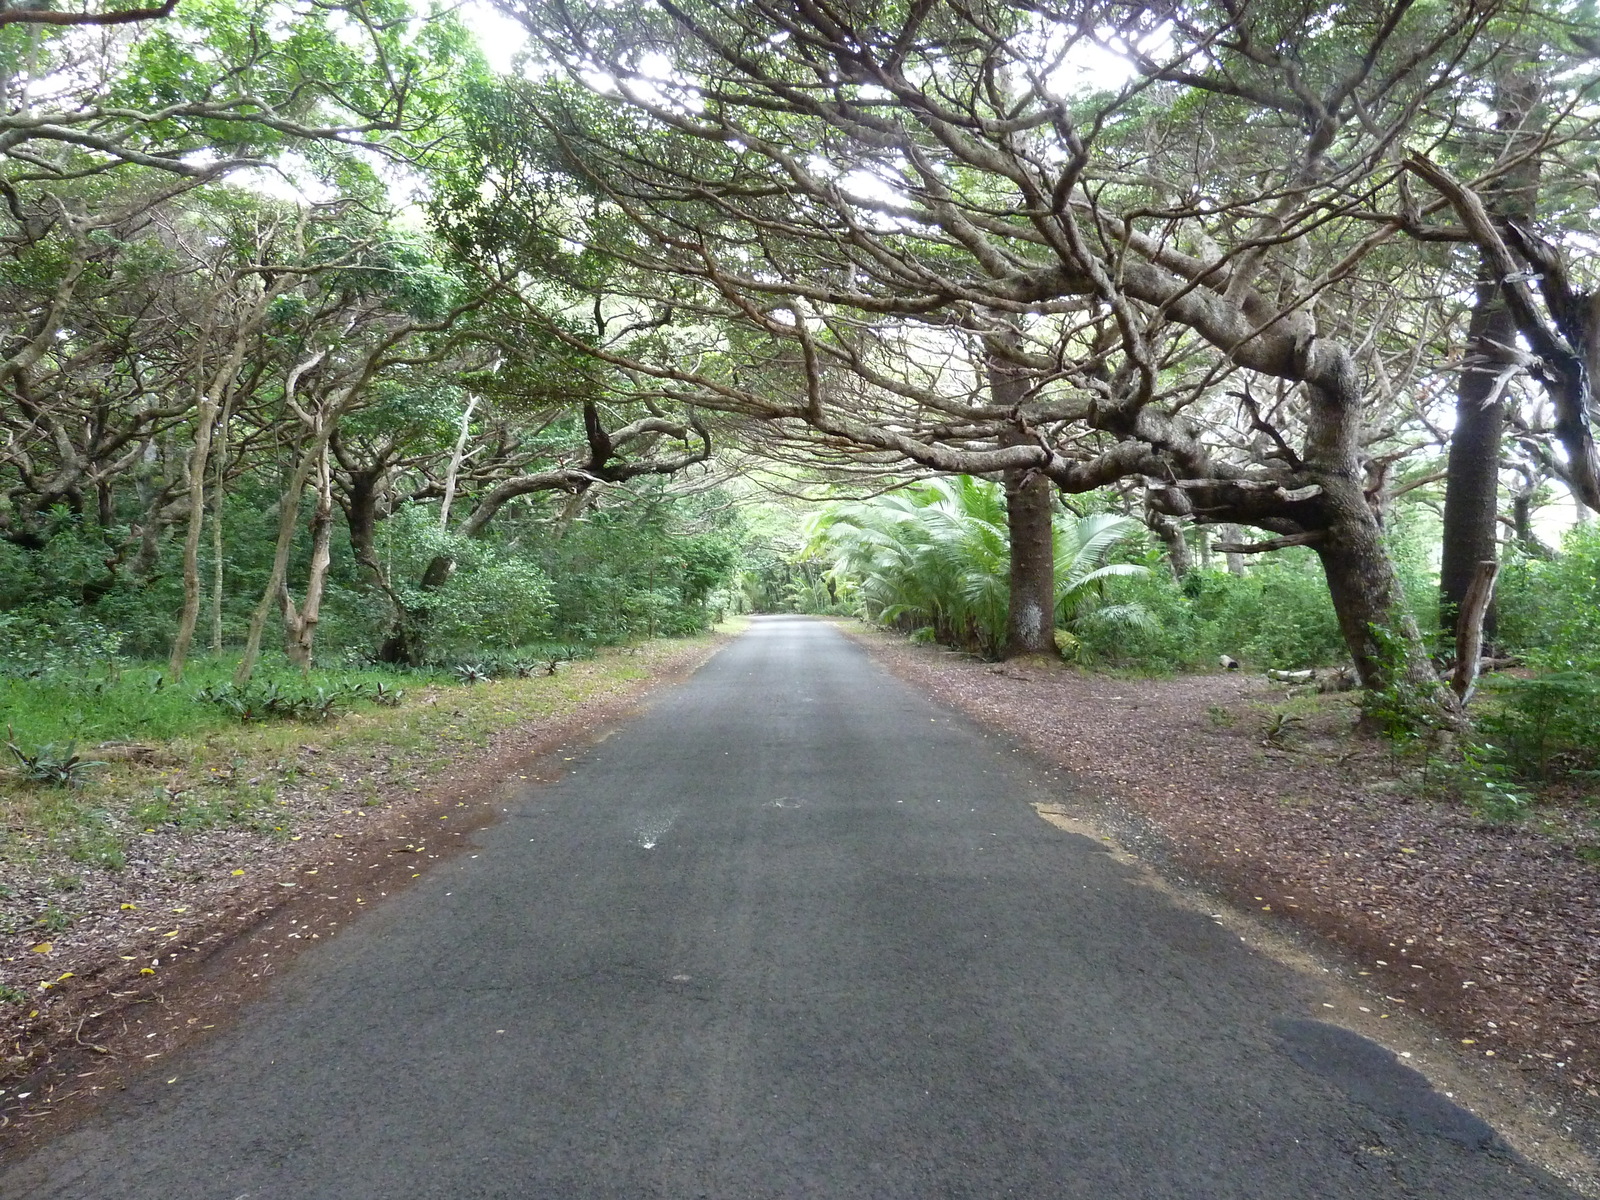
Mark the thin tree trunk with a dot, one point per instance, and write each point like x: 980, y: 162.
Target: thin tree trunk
x: 199, y: 460
x: 300, y: 627
x: 220, y: 454
x: 455, y: 466
x: 1469, y: 629
x: 288, y: 519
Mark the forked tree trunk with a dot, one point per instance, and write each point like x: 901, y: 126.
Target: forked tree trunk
x: 288, y: 520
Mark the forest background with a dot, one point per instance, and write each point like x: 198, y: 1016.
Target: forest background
x: 1147, y: 336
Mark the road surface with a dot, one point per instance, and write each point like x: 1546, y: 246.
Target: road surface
x: 794, y: 931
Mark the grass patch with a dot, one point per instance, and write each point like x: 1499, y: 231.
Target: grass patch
x: 201, y: 768
x: 140, y: 704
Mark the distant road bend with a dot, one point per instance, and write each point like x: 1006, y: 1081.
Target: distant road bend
x: 794, y: 931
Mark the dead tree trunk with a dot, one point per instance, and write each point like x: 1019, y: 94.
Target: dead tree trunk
x: 1469, y: 629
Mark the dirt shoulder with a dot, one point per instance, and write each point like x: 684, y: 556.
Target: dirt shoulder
x: 1490, y: 933
x: 154, y: 954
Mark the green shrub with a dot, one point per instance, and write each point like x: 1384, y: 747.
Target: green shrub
x: 1278, y: 615
x: 1549, y: 610
x: 1545, y: 725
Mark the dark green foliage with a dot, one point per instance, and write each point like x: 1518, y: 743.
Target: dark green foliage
x: 279, y: 702
x: 1549, y: 609
x: 662, y: 566
x: 1546, y: 725
x: 1278, y: 615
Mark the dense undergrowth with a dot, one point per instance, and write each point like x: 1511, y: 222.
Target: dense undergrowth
x: 931, y: 562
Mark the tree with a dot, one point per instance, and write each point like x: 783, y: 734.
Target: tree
x: 934, y: 556
x: 831, y: 182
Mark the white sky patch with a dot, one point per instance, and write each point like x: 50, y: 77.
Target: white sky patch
x: 1088, y: 67
x: 862, y: 184
x: 499, y: 37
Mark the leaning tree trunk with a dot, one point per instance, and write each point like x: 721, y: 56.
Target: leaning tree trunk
x: 1383, y: 639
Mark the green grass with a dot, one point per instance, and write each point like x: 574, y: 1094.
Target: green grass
x: 140, y: 704
x: 208, y: 770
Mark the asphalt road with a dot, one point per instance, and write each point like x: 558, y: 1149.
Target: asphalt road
x: 794, y: 931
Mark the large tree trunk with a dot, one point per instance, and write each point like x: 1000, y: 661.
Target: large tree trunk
x: 1472, y: 480
x: 1031, y: 613
x: 1384, y: 641
x: 1031, y: 609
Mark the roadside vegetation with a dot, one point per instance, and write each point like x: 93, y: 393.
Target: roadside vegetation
x: 930, y: 561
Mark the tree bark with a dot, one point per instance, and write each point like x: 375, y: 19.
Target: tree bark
x: 288, y: 519
x: 1235, y: 560
x: 1170, y: 531
x: 218, y: 497
x: 1472, y: 480
x: 1031, y: 604
x: 1469, y: 629
x: 300, y: 626
x: 1384, y: 641
x: 199, y: 460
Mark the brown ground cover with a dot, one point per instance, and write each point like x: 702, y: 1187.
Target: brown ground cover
x: 1490, y: 931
